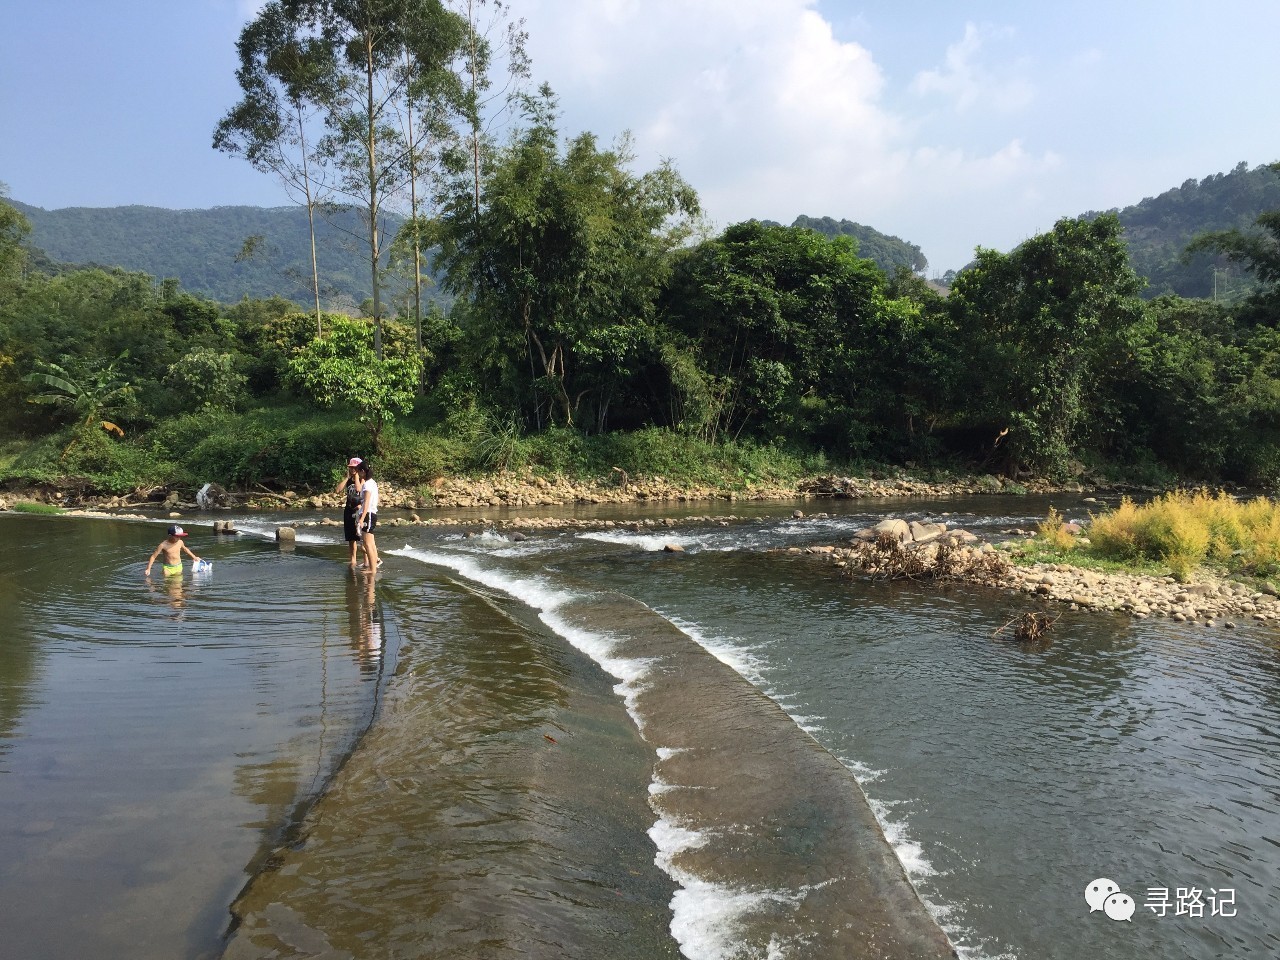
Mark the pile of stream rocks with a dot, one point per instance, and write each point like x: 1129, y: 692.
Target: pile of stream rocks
x: 1208, y: 600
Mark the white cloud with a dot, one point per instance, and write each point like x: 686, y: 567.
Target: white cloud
x: 966, y: 81
x: 769, y: 114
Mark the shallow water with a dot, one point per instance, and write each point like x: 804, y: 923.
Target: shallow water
x: 579, y: 753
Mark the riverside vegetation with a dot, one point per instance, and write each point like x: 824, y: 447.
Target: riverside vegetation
x: 1191, y: 556
x: 589, y: 329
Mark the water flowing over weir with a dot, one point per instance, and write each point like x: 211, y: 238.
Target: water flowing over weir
x: 767, y: 846
x: 581, y: 745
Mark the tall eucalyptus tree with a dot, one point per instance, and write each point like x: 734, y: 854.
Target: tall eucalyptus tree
x: 285, y: 76
x: 369, y: 43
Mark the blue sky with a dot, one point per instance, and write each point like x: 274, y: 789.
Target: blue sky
x: 951, y: 125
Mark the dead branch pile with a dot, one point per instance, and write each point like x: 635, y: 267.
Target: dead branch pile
x: 1029, y: 627
x: 888, y: 558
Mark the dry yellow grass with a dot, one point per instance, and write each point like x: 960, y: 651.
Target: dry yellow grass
x: 1186, y: 529
x: 1053, y: 531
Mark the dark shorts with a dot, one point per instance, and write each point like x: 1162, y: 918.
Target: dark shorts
x: 370, y: 522
x: 349, y: 526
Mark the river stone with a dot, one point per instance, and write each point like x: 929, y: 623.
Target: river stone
x: 672, y: 548
x: 894, y: 527
x: 924, y: 532
x: 286, y: 534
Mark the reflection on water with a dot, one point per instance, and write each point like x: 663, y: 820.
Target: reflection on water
x: 365, y: 619
x: 157, y: 736
x: 160, y: 750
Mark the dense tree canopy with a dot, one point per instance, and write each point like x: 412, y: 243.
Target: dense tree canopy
x: 561, y: 266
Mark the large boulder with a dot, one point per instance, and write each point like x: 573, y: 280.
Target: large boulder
x: 924, y: 532
x: 895, y: 527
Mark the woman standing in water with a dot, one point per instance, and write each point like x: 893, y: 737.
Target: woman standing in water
x: 367, y: 518
x: 351, y: 485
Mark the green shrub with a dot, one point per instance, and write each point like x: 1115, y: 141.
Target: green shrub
x: 414, y: 458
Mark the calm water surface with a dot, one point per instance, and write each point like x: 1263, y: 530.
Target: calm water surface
x: 562, y: 763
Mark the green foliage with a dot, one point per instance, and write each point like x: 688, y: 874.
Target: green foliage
x: 888, y: 253
x: 45, y: 509
x: 202, y: 247
x: 1258, y: 251
x: 207, y: 380
x: 278, y: 447
x: 562, y: 267
x: 414, y: 458
x: 1159, y: 229
x: 14, y: 228
x: 87, y: 391
x: 781, y: 333
x: 342, y: 368
x: 1038, y: 322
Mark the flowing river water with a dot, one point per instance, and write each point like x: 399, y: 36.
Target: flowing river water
x: 580, y: 745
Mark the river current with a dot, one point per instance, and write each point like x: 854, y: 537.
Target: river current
x: 581, y: 745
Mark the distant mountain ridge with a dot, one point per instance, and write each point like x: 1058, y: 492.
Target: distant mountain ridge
x: 888, y: 252
x: 203, y: 248
x: 1159, y: 228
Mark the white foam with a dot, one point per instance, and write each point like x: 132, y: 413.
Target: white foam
x: 707, y: 918
x: 909, y: 852
x: 630, y: 672
x: 269, y: 533
x: 734, y: 654
x: 650, y: 542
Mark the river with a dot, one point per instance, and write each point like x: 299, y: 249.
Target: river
x: 580, y: 745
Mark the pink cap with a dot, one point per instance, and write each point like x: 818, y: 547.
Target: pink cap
x: 354, y: 462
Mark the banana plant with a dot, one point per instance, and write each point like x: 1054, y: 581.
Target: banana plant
x: 88, y: 391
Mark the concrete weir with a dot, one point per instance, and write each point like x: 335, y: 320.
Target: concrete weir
x: 776, y: 816
x: 766, y: 844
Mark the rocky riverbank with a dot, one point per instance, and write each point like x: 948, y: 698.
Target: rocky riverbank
x: 897, y: 548
x: 530, y: 490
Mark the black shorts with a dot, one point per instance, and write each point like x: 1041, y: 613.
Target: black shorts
x: 349, y: 526
x: 370, y: 522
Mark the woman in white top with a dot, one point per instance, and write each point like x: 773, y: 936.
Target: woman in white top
x: 367, y: 518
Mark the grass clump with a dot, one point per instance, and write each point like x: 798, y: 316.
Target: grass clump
x: 26, y: 506
x: 1054, y: 533
x: 1185, y: 530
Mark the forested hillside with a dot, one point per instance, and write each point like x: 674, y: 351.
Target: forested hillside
x: 888, y: 252
x: 1159, y: 228
x: 205, y: 249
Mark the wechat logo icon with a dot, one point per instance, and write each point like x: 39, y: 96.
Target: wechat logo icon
x: 1105, y: 895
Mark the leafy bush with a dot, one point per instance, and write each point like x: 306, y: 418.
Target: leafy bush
x: 413, y: 458
x: 26, y: 506
x: 206, y: 380
x: 265, y: 447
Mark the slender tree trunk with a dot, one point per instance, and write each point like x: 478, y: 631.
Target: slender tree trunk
x: 311, y: 221
x: 372, y: 152
x: 475, y: 117
x: 417, y: 246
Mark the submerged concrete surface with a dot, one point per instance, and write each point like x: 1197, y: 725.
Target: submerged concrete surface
x: 779, y: 816
x: 455, y: 832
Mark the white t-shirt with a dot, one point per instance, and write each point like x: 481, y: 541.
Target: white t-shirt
x: 369, y: 493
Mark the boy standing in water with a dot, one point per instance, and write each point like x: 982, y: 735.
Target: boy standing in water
x: 171, y: 549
